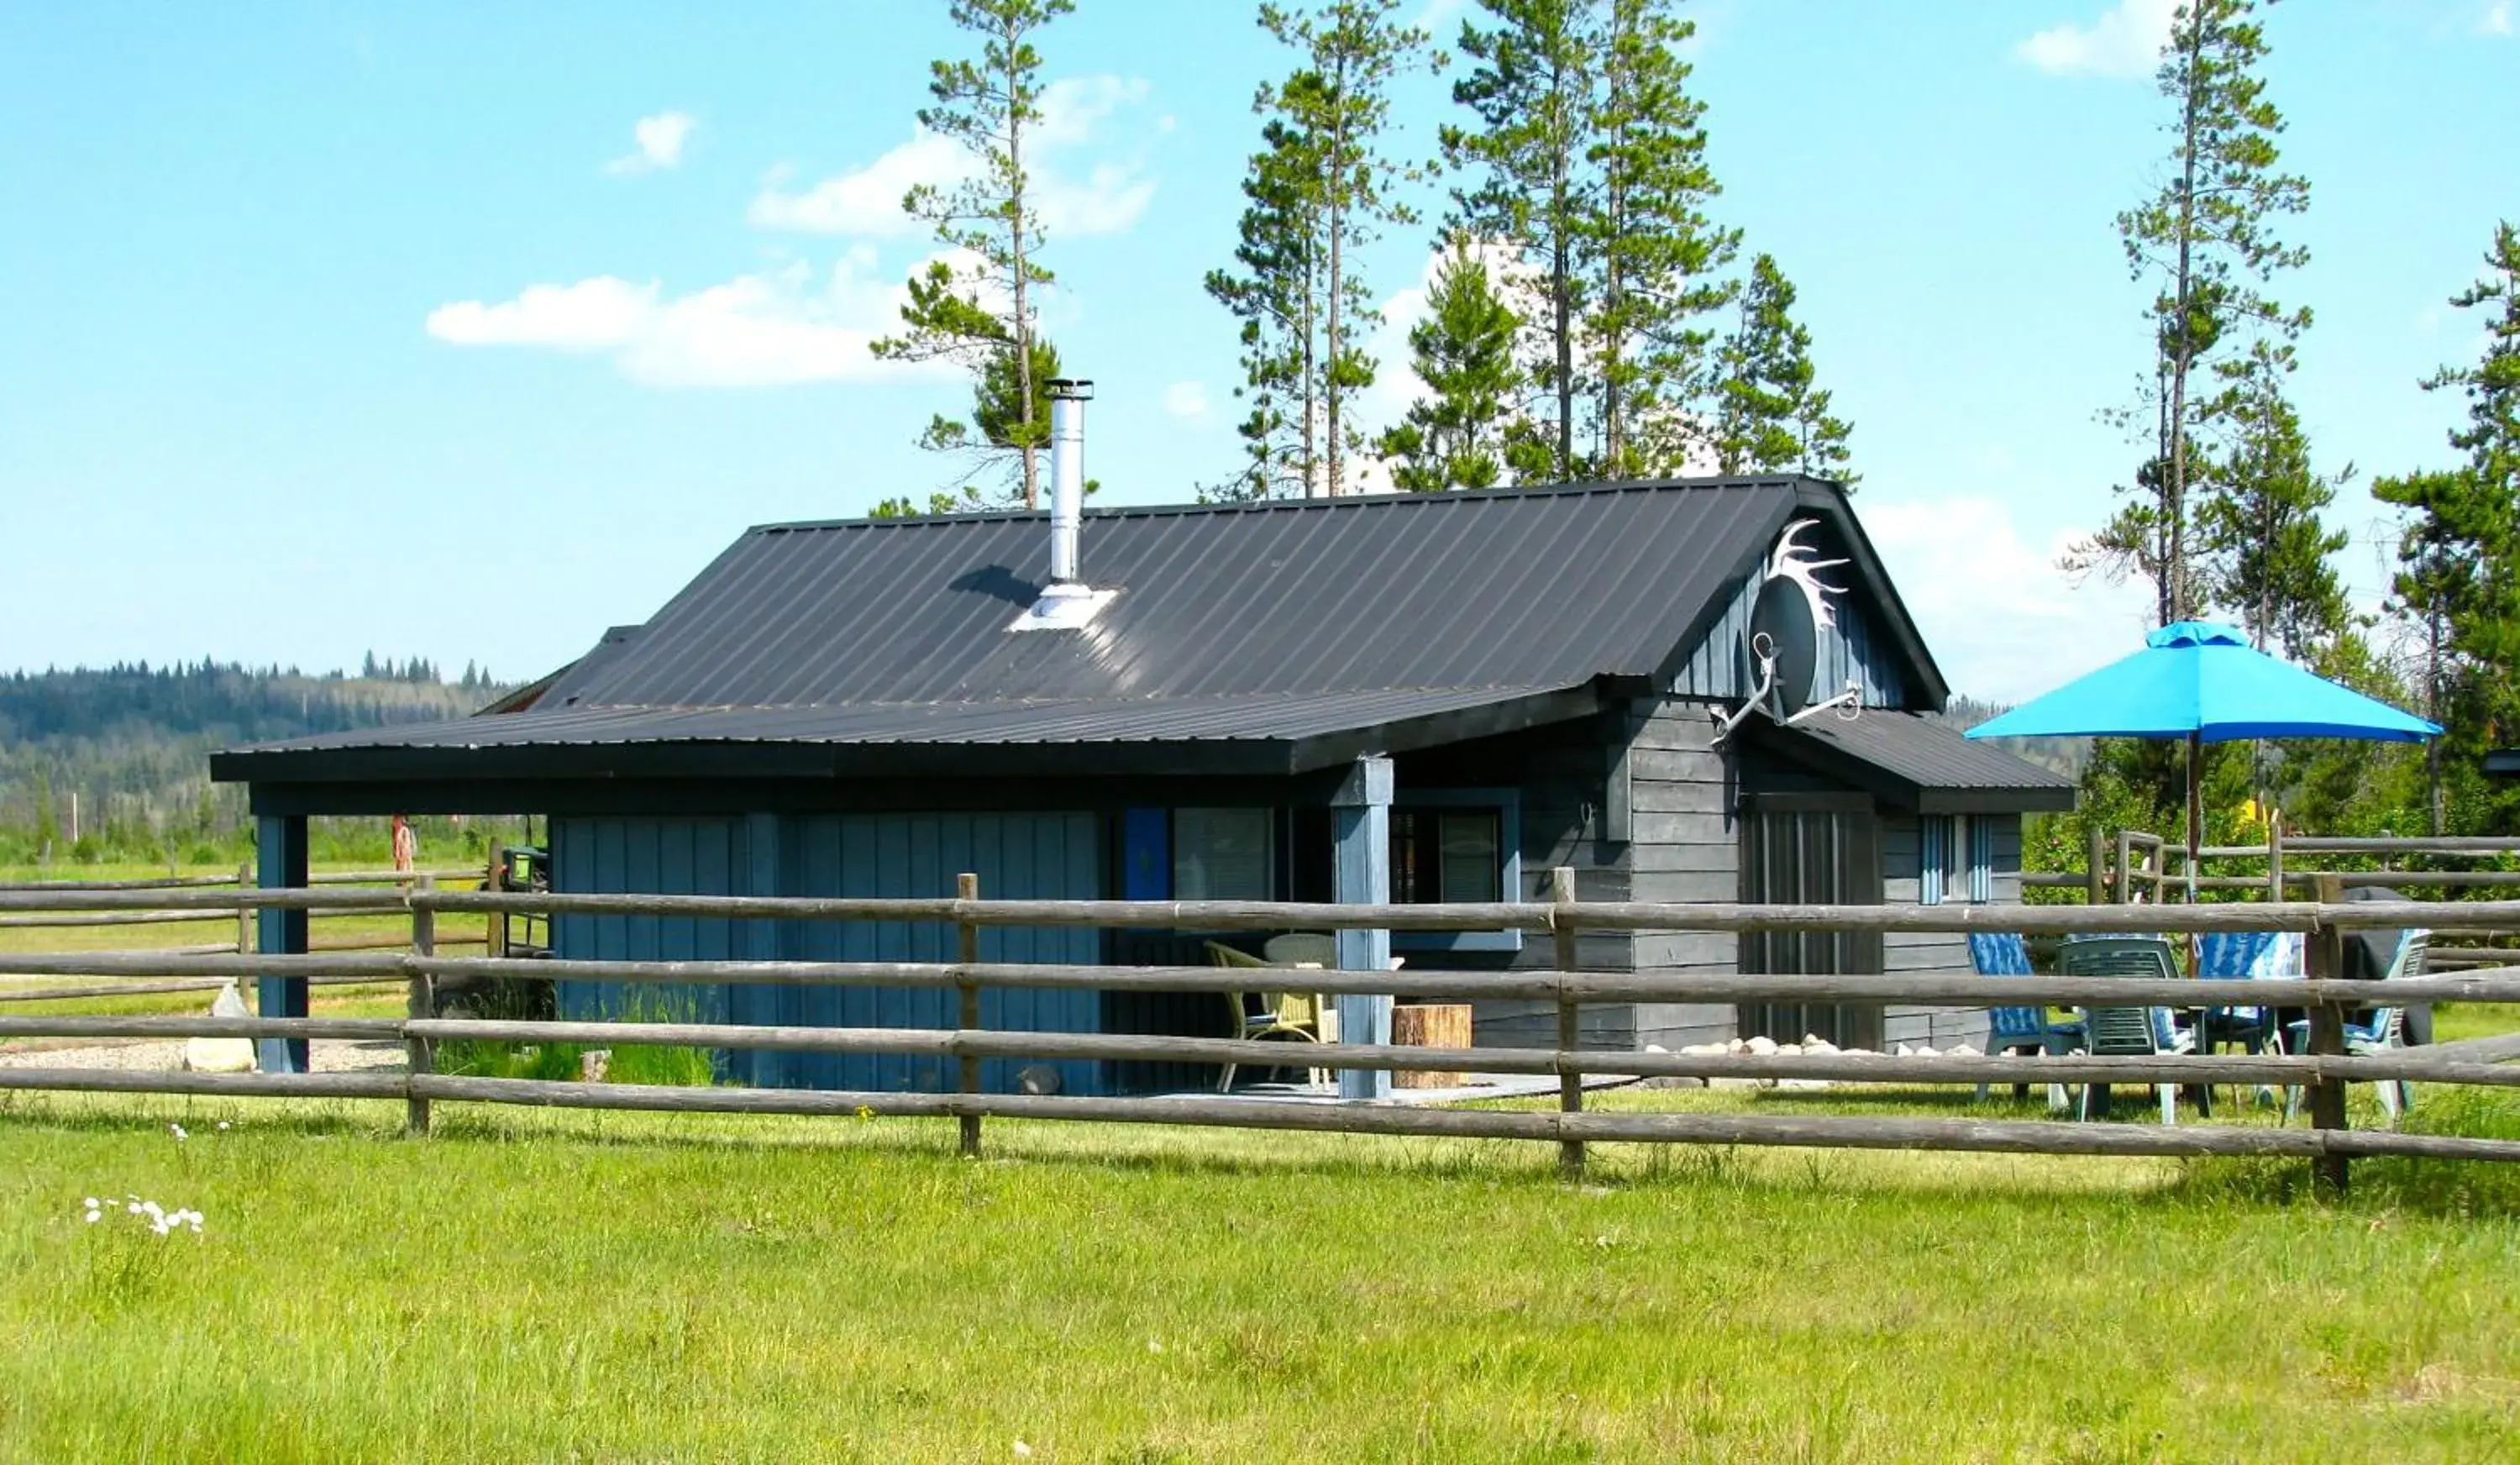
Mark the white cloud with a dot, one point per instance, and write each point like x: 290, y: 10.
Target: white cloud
x: 776, y: 328
x: 660, y: 139
x: 2497, y: 19
x: 2125, y: 41
x: 1107, y: 196
x: 1186, y: 399
x: 2004, y: 622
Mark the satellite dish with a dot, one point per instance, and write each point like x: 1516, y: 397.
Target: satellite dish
x: 1782, y: 630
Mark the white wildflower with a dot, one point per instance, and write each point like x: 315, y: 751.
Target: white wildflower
x: 93, y: 1217
x: 90, y: 1203
x: 178, y: 1131
x: 1023, y: 1448
x: 223, y: 1124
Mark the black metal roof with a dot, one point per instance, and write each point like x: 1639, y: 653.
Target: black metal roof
x: 1916, y: 762
x: 1290, y: 628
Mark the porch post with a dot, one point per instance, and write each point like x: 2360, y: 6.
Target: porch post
x: 1361, y: 862
x: 280, y: 863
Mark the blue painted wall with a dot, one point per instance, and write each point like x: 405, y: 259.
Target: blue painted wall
x: 1034, y: 856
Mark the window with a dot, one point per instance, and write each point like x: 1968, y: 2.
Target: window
x: 1222, y: 854
x: 1981, y: 860
x: 1456, y: 847
x: 1954, y: 860
x: 1937, y: 848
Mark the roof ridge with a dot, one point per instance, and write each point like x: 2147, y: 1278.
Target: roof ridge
x: 1344, y: 502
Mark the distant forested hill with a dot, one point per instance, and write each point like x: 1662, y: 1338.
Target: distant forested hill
x: 130, y: 745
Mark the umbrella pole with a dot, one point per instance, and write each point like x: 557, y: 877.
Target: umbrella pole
x: 2195, y: 808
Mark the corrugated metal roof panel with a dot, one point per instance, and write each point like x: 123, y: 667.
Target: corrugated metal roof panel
x: 1929, y: 755
x: 1544, y: 588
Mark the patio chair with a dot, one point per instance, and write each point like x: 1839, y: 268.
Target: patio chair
x: 2381, y: 1029
x: 2016, y: 1029
x: 1259, y: 1015
x: 2247, y: 956
x: 2126, y: 1032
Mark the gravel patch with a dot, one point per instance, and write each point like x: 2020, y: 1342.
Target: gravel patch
x: 331, y: 1057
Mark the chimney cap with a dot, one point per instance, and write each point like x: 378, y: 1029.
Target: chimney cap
x: 1073, y: 388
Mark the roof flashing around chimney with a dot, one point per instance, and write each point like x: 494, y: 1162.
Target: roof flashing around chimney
x: 1064, y: 607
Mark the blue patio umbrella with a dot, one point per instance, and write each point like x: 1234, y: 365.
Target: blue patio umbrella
x: 2204, y: 683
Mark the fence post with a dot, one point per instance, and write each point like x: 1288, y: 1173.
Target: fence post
x: 967, y: 951
x: 2096, y: 859
x: 494, y: 878
x: 2327, y: 1032
x: 1570, y: 1084
x: 245, y: 913
x: 2126, y: 868
x: 2274, y: 855
x: 420, y: 1053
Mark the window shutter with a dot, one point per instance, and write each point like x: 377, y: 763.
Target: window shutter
x: 1933, y: 832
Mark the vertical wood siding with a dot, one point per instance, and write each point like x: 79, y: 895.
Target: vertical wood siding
x: 1854, y: 650
x: 1032, y: 856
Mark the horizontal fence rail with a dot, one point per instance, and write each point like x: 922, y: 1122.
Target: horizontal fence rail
x: 2320, y: 1072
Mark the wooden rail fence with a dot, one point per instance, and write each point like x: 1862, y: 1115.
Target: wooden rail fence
x: 76, y: 905
x: 2322, y: 1072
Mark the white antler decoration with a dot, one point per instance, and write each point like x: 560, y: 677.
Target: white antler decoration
x: 1794, y: 561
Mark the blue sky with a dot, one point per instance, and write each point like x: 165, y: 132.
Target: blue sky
x: 468, y: 330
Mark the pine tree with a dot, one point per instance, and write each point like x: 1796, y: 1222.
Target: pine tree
x: 1531, y: 87
x: 2460, y: 554
x: 1660, y: 258
x: 1463, y: 351
x: 1335, y: 112
x: 2207, y: 240
x: 1276, y: 298
x: 989, y: 106
x: 1770, y: 416
x: 2264, y: 551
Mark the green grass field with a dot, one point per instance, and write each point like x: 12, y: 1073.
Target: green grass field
x: 561, y: 1286
x: 456, y: 936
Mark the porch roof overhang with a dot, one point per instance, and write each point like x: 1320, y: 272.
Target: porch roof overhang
x: 1225, y: 737
x: 1918, y: 765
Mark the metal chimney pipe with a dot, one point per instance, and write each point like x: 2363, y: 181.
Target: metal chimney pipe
x: 1067, y: 399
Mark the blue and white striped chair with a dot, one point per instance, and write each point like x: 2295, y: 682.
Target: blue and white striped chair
x: 2016, y: 1029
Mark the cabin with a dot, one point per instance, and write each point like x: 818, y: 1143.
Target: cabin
x: 1690, y: 690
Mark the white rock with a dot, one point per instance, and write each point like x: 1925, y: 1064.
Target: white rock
x: 1802, y: 1083
x: 1927, y: 1052
x: 1905, y: 1051
x: 1788, y: 1049
x: 1657, y: 1047
x: 1704, y: 1049
x: 1821, y: 1045
x: 222, y: 1055
x: 1736, y: 1045
x: 1763, y: 1047
x: 1966, y: 1051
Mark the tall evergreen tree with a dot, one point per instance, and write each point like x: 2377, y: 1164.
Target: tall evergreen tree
x: 1463, y: 351
x: 1660, y: 258
x: 2207, y: 240
x: 2460, y: 555
x: 1531, y: 86
x: 1340, y: 102
x: 1276, y: 295
x: 1769, y: 416
x: 983, y: 316
x: 2263, y: 552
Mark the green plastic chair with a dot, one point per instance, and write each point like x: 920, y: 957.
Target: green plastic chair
x: 2126, y: 1032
